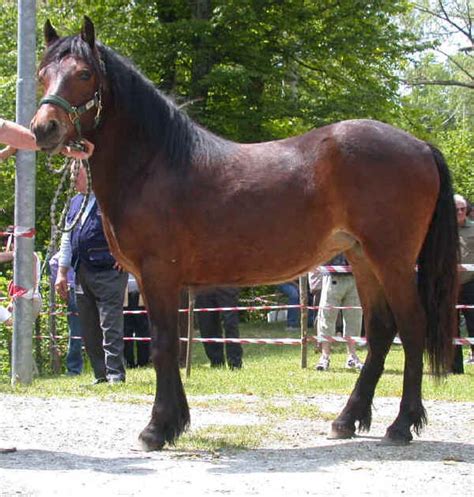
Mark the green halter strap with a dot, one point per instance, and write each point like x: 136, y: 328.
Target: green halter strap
x: 73, y: 112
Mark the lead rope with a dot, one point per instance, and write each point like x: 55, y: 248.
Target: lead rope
x: 70, y: 169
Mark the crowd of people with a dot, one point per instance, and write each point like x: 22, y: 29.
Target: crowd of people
x: 96, y: 290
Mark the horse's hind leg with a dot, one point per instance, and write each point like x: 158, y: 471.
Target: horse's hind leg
x: 380, y: 330
x: 404, y: 300
x: 170, y: 413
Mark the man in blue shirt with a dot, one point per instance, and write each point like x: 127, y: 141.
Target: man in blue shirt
x: 100, y: 286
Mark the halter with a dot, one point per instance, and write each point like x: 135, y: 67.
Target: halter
x: 74, y: 113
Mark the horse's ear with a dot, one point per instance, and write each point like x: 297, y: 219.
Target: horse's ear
x: 88, y: 32
x: 50, y: 34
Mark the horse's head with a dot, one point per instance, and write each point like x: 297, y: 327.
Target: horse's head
x: 71, y: 75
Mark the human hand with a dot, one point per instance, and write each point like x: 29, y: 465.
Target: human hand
x: 7, y: 152
x: 76, y: 153
x: 61, y: 285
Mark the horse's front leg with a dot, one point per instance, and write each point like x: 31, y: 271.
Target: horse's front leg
x: 170, y: 413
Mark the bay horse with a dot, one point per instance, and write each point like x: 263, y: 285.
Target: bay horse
x: 184, y: 207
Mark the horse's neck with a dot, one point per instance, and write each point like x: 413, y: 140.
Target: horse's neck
x: 115, y: 161
x: 105, y: 162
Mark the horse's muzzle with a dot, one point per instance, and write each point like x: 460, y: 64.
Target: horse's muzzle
x: 50, y: 135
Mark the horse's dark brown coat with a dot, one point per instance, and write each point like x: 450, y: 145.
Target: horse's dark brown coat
x: 183, y: 207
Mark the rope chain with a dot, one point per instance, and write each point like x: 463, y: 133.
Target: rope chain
x: 70, y: 169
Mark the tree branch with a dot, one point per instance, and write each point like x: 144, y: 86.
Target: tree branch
x: 446, y: 18
x: 454, y: 62
x: 439, y: 82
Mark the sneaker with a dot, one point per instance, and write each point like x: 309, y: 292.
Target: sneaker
x: 323, y: 364
x: 469, y: 360
x: 115, y: 380
x: 98, y: 381
x: 353, y: 362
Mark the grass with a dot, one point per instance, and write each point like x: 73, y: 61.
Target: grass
x: 218, y: 437
x: 269, y: 371
x: 271, y: 385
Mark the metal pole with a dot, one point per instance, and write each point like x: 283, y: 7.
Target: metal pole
x: 303, y: 281
x: 22, y: 347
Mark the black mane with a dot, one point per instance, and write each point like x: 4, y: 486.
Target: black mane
x: 153, y: 115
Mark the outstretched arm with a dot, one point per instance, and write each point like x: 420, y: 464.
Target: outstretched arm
x: 17, y: 136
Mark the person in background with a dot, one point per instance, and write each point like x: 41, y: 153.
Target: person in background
x: 16, y: 136
x: 470, y: 212
x: 74, y: 360
x: 292, y: 290
x: 136, y: 352
x: 315, y: 281
x: 339, y: 289
x: 210, y: 325
x: 7, y: 256
x: 466, y: 278
x: 100, y: 286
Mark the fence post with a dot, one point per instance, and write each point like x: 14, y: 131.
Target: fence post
x: 190, y: 332
x: 303, y: 281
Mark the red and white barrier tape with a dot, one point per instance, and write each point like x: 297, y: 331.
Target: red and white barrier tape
x: 348, y: 269
x: 20, y: 232
x: 20, y: 292
x: 241, y: 308
x: 273, y: 341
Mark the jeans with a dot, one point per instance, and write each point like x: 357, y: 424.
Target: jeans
x: 74, y: 359
x: 292, y: 291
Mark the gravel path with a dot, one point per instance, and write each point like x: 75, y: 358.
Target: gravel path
x: 87, y: 447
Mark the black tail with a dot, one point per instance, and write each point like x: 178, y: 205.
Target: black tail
x: 438, y: 274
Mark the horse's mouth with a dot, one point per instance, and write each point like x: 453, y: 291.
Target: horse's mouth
x: 52, y: 149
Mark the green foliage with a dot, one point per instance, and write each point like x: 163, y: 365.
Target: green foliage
x: 439, y: 102
x: 458, y: 147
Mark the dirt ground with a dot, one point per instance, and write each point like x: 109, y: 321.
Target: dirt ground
x: 87, y: 447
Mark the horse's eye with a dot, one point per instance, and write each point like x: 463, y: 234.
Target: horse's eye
x: 85, y: 75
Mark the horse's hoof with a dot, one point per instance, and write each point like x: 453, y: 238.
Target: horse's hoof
x: 340, y: 433
x: 395, y: 437
x: 151, y: 440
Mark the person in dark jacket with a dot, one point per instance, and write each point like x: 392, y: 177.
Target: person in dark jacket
x: 100, y: 286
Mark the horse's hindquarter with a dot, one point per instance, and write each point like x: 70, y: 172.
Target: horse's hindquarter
x: 387, y: 184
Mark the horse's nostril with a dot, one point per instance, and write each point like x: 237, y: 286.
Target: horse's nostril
x: 53, y: 125
x: 46, y: 132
